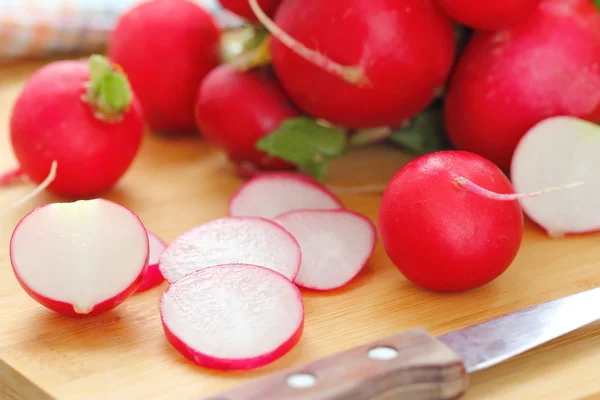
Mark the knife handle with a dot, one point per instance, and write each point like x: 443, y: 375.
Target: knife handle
x: 411, y: 365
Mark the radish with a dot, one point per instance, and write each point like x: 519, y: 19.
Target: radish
x: 153, y: 276
x: 335, y: 245
x: 488, y: 15
x: 554, y: 152
x: 166, y: 47
x: 507, y: 81
x: 272, y: 193
x: 242, y: 8
x: 443, y: 233
x: 235, y: 109
x: 233, y: 317
x: 232, y: 240
x: 82, y: 116
x: 360, y: 63
x: 80, y: 258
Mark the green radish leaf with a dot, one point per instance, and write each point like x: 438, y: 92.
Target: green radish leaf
x: 597, y: 3
x: 115, y: 91
x: 99, y: 68
x: 305, y: 143
x: 425, y: 133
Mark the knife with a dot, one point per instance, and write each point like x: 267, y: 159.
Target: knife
x: 414, y: 365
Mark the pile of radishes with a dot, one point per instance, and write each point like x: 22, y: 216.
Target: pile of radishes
x: 232, y: 300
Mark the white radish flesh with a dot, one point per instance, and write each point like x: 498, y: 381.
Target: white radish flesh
x: 559, y: 151
x: 335, y: 245
x: 232, y: 240
x: 232, y: 317
x: 153, y: 276
x: 80, y: 258
x: 271, y: 194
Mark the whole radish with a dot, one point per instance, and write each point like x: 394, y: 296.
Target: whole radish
x: 242, y: 8
x: 83, y: 116
x: 234, y: 109
x: 166, y: 47
x: 360, y: 63
x: 507, y: 81
x: 490, y: 14
x: 443, y: 228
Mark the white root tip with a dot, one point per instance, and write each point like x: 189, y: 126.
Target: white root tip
x: 36, y: 191
x: 473, y: 187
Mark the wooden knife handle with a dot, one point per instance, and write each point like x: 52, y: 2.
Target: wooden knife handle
x: 411, y: 365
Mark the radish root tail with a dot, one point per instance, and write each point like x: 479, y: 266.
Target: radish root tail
x: 36, y: 191
x: 350, y: 73
x: 10, y: 176
x: 474, y: 188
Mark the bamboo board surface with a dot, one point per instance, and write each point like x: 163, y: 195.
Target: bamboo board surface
x: 178, y: 183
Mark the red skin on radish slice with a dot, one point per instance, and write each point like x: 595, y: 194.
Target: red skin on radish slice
x: 232, y: 317
x: 153, y: 276
x: 80, y: 258
x: 335, y: 245
x: 232, y: 240
x: 558, y: 151
x: 442, y: 236
x: 273, y: 193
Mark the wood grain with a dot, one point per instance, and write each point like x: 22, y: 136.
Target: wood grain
x: 423, y: 369
x: 177, y: 183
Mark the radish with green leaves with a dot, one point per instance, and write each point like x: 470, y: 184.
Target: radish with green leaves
x: 232, y: 317
x: 166, y: 47
x: 81, y: 116
x: 80, y: 258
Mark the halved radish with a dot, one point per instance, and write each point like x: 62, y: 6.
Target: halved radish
x: 335, y: 245
x: 232, y: 317
x: 230, y: 240
x: 153, y: 276
x: 560, y: 151
x: 273, y: 193
x: 80, y: 258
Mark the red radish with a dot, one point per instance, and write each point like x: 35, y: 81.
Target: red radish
x: 83, y: 115
x: 490, y: 14
x: 556, y: 151
x: 444, y: 234
x: 153, y: 276
x: 232, y: 240
x: 80, y: 258
x: 242, y: 8
x: 166, y: 47
x: 361, y: 63
x: 235, y: 109
x: 335, y: 245
x: 272, y: 193
x: 507, y: 81
x: 233, y: 317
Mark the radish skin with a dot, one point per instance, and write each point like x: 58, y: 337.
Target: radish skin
x: 153, y: 276
x: 273, y: 193
x: 335, y: 245
x: 232, y: 317
x: 81, y: 258
x: 228, y: 240
x: 490, y: 14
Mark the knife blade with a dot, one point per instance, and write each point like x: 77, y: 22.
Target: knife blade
x: 414, y: 365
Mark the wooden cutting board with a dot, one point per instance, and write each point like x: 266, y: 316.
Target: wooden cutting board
x: 178, y: 183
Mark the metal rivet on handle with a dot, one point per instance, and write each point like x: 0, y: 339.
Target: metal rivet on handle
x: 301, y: 380
x: 382, y: 353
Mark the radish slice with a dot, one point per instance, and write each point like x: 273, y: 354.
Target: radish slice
x: 555, y: 152
x: 335, y: 245
x: 274, y: 193
x: 80, y: 258
x: 232, y: 317
x: 232, y: 240
x: 153, y: 276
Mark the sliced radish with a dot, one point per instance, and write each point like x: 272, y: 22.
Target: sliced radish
x: 335, y: 245
x: 560, y: 151
x: 153, y: 276
x: 273, y: 193
x: 80, y: 258
x: 231, y: 240
x: 232, y: 317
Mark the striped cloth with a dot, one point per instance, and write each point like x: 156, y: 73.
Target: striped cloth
x: 40, y: 28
